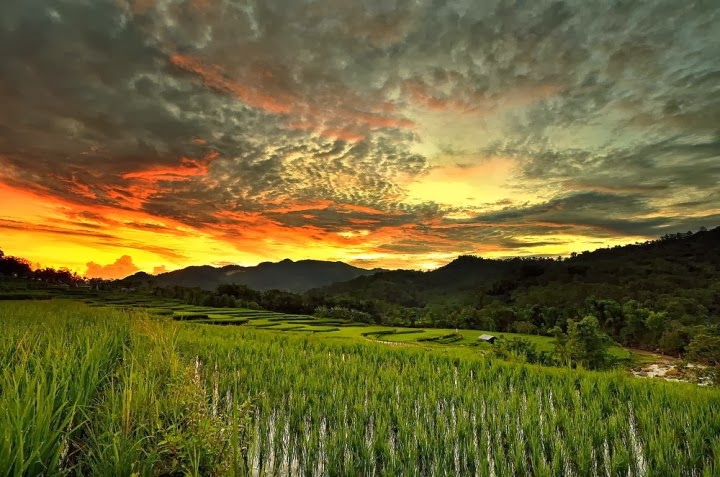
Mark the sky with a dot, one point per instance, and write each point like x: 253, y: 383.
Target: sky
x: 156, y: 134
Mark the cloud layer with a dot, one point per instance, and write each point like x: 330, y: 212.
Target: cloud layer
x: 385, y: 132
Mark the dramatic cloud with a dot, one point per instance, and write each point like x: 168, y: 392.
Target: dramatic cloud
x: 391, y: 133
x: 121, y: 268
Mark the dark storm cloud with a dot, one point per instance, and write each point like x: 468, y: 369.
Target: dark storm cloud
x: 118, y: 105
x: 674, y: 181
x: 603, y: 214
x: 657, y: 167
x: 187, y: 109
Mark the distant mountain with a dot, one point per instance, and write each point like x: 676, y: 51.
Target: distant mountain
x: 285, y: 275
x: 642, y: 271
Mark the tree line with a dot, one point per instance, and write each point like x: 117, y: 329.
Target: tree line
x: 18, y: 267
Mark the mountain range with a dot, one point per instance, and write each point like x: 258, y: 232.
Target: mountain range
x: 671, y: 266
x: 683, y: 254
x: 287, y: 275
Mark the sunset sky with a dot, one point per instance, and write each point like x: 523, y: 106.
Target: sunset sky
x: 156, y: 134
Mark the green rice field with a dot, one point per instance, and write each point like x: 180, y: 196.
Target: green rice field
x: 90, y: 390
x: 331, y: 328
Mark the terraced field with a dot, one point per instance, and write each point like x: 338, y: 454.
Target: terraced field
x: 334, y: 328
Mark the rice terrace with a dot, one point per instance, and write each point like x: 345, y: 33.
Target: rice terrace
x: 121, y: 386
x: 359, y: 238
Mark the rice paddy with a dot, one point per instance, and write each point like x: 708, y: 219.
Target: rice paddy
x: 113, y: 391
x: 329, y: 327
x: 357, y: 408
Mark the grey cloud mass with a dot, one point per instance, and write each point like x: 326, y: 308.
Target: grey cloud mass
x: 608, y: 112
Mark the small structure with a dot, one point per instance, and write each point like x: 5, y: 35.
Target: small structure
x: 488, y: 338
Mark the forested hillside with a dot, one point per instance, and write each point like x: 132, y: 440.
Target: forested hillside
x: 654, y: 295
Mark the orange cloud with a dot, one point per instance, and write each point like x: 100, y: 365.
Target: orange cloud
x: 377, y: 121
x: 287, y: 207
x: 355, y: 221
x: 80, y: 189
x: 159, y: 270
x: 360, y: 208
x: 343, y: 135
x: 140, y: 188
x: 201, y: 4
x: 40, y: 224
x: 131, y: 197
x: 188, y: 167
x: 122, y: 267
x: 139, y: 7
x: 420, y: 93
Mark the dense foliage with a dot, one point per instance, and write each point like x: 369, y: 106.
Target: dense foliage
x: 661, y: 295
x: 17, y: 267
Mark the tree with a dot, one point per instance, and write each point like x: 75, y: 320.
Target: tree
x: 14, y: 266
x: 499, y: 315
x: 587, y: 344
x: 208, y: 300
x: 635, y: 318
x: 674, y: 339
x: 284, y: 302
x: 516, y: 349
x: 239, y: 291
x: 655, y: 322
x: 524, y: 327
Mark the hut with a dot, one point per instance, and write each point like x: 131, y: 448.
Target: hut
x: 487, y: 338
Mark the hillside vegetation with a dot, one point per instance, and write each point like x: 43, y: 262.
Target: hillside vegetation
x: 661, y: 295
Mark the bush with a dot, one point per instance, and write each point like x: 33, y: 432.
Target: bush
x: 584, y: 344
x: 516, y: 349
x: 705, y: 348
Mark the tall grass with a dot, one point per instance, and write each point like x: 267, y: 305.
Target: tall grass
x: 336, y: 407
x: 88, y: 391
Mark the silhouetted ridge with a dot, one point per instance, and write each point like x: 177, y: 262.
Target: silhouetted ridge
x: 288, y: 275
